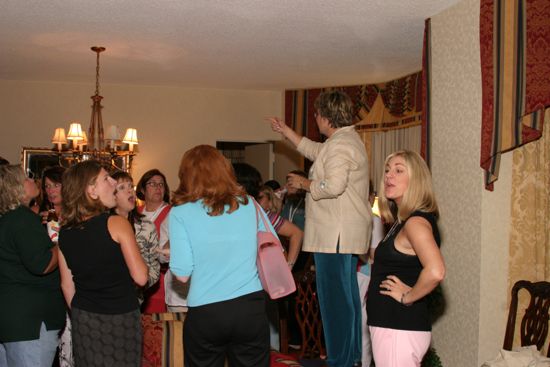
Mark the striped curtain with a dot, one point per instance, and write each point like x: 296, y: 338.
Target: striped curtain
x: 402, y: 100
x: 515, y: 68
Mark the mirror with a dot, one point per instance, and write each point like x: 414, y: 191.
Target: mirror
x: 36, y: 160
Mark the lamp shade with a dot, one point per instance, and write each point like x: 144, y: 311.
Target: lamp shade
x: 130, y: 137
x: 59, y: 136
x: 113, y: 133
x: 75, y: 132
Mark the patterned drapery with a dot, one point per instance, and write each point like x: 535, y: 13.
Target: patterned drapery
x: 387, y: 116
x: 515, y: 68
x: 530, y: 218
x: 402, y: 98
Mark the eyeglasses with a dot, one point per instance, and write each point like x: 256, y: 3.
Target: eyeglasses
x: 30, y: 174
x: 155, y: 184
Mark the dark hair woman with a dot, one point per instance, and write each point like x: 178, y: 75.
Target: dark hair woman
x: 52, y: 181
x: 99, y: 264
x: 213, y: 233
x: 153, y: 189
x: 32, y: 310
x: 146, y: 234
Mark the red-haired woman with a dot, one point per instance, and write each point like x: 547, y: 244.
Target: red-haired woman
x: 213, y: 240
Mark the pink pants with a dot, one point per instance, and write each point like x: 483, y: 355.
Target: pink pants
x: 398, y: 348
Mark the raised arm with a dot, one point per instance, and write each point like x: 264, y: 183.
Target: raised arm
x: 295, y: 236
x: 418, y: 233
x: 67, y: 283
x: 122, y: 233
x: 279, y: 126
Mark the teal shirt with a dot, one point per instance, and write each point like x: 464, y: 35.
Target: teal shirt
x: 295, y: 212
x: 218, y: 252
x: 27, y: 297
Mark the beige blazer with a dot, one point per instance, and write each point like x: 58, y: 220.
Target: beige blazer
x: 337, y: 206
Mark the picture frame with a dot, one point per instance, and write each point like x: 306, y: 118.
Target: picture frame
x: 35, y: 160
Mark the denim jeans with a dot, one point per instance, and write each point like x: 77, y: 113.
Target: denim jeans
x: 33, y: 353
x: 338, y: 294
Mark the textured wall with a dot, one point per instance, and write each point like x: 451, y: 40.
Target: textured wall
x: 457, y: 177
x: 473, y: 220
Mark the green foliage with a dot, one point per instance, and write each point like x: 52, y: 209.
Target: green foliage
x: 431, y: 359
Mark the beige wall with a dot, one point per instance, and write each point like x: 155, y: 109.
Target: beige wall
x: 473, y: 221
x: 169, y: 120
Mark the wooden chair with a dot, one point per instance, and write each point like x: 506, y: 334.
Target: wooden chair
x: 534, y: 324
x: 308, y: 315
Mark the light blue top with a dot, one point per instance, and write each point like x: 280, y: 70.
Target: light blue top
x: 218, y: 252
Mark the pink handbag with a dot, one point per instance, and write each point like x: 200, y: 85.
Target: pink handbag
x: 274, y: 272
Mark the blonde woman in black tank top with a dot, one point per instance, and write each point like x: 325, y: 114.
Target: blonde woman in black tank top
x: 407, y: 264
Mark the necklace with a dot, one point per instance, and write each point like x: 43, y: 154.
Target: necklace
x: 291, y: 212
x: 392, y: 230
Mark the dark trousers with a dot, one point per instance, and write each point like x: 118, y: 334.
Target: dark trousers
x: 236, y: 329
x: 336, y: 277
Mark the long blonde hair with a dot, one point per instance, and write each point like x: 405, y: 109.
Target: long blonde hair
x: 12, y: 189
x: 419, y: 194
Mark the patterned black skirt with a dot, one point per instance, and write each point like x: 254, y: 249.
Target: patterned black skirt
x: 106, y: 340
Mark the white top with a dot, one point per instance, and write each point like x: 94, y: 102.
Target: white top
x: 175, y: 291
x: 164, y: 232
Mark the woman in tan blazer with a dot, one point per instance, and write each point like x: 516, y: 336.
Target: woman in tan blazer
x: 338, y: 220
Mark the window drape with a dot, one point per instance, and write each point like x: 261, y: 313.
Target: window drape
x: 401, y: 101
x: 515, y: 69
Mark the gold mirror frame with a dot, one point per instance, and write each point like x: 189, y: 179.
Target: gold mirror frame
x: 35, y: 160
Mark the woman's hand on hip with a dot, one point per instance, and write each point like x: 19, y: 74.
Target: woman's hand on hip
x: 392, y: 286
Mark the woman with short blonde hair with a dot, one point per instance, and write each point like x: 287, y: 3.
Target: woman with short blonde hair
x: 32, y: 310
x: 408, y: 264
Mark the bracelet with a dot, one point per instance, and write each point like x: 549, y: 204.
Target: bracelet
x: 403, y: 299
x: 291, y: 264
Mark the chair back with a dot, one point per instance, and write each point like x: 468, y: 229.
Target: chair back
x: 308, y: 316
x: 534, y: 323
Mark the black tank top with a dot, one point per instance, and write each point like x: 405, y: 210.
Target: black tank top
x: 384, y: 311
x: 102, y: 279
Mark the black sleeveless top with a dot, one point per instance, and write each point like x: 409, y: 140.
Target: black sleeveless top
x: 102, y: 280
x: 384, y: 311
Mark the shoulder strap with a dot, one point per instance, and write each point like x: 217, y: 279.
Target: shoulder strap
x: 161, y: 217
x: 258, y: 214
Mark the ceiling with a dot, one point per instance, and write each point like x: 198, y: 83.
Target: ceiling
x: 238, y: 44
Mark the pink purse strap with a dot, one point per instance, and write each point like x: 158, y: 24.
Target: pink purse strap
x: 258, y: 214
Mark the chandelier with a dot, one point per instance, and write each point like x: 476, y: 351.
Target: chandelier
x: 107, y: 148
